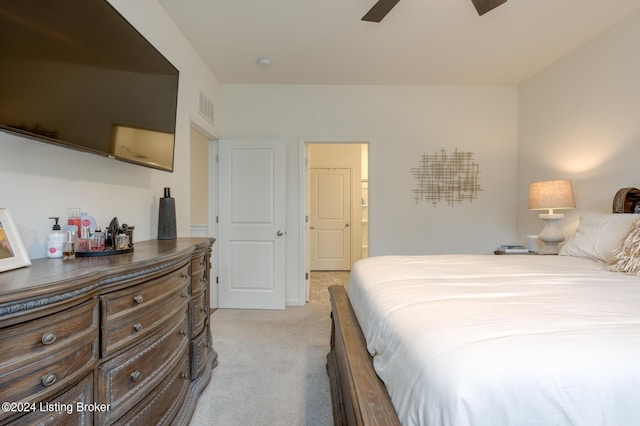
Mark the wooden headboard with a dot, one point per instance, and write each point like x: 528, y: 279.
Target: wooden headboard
x: 626, y: 200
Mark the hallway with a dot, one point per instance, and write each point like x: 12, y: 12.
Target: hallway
x: 322, y: 280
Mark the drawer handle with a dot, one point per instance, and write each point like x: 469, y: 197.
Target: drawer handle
x: 184, y: 275
x: 185, y: 294
x: 184, y: 376
x: 48, y: 338
x: 183, y: 332
x: 138, y: 299
x: 137, y: 326
x: 136, y: 376
x: 49, y: 379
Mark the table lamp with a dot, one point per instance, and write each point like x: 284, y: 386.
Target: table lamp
x: 550, y: 195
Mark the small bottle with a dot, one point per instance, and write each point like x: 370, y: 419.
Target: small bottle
x: 122, y: 241
x: 129, y: 231
x: 55, y: 240
x: 84, y: 242
x: 98, y: 240
x: 74, y: 219
x: 69, y: 245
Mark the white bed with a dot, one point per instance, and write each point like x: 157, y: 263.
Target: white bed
x: 502, y: 340
x: 515, y: 340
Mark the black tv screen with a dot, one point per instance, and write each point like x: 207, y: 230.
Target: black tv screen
x: 77, y: 74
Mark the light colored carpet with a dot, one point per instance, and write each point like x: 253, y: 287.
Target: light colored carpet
x: 271, y: 364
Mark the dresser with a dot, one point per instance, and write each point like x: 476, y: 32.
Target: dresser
x: 107, y: 340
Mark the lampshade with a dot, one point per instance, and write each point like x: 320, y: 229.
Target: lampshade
x: 551, y: 194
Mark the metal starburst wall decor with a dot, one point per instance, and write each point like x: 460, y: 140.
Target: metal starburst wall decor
x: 451, y: 177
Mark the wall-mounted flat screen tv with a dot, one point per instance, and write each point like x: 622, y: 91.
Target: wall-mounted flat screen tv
x: 77, y: 74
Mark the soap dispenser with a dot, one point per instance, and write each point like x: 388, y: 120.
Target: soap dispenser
x: 55, y: 240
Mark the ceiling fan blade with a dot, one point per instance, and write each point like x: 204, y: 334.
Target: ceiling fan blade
x: 380, y: 10
x: 484, y: 6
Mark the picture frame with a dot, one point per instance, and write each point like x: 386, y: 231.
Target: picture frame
x: 12, y: 252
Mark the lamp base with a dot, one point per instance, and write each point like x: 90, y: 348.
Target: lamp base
x: 550, y: 236
x: 548, y: 249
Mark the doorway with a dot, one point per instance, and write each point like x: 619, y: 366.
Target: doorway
x: 336, y: 212
x: 203, y: 190
x: 199, y: 182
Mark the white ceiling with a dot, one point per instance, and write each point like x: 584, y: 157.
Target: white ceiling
x: 418, y: 42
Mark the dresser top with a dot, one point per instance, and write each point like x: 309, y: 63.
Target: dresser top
x: 46, y: 278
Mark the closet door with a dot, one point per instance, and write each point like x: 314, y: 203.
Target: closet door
x: 251, y: 233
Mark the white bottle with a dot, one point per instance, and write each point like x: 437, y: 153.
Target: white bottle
x: 55, y: 240
x: 87, y: 221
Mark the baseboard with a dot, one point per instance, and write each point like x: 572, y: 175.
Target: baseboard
x: 200, y: 230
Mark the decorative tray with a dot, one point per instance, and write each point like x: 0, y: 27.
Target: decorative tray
x: 108, y: 252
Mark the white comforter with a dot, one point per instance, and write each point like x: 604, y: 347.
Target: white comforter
x: 502, y: 340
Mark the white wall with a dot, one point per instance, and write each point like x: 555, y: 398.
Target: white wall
x: 580, y: 119
x: 401, y: 123
x: 41, y: 180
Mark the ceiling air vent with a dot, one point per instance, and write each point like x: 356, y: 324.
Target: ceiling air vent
x: 205, y: 107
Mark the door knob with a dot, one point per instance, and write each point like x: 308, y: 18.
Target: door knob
x: 346, y: 225
x: 280, y: 233
x: 313, y: 227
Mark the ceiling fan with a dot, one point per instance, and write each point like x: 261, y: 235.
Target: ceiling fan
x: 382, y: 7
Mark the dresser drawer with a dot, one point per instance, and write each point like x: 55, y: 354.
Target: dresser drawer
x: 201, y: 349
x: 139, y: 297
x: 63, y: 410
x: 129, y: 377
x: 161, y: 406
x: 199, y: 274
x: 53, y: 374
x: 120, y: 331
x: 30, y: 342
x: 198, y: 313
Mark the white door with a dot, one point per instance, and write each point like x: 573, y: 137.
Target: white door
x: 251, y: 233
x: 330, y: 217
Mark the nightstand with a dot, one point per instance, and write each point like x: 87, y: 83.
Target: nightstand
x: 530, y: 252
x: 498, y: 251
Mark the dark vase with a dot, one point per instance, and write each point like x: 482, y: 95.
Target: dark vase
x: 167, y: 217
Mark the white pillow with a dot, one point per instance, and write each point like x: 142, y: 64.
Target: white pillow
x: 598, y: 235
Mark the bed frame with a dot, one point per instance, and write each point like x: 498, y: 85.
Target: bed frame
x: 358, y: 395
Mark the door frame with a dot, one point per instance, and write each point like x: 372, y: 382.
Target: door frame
x: 304, y: 142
